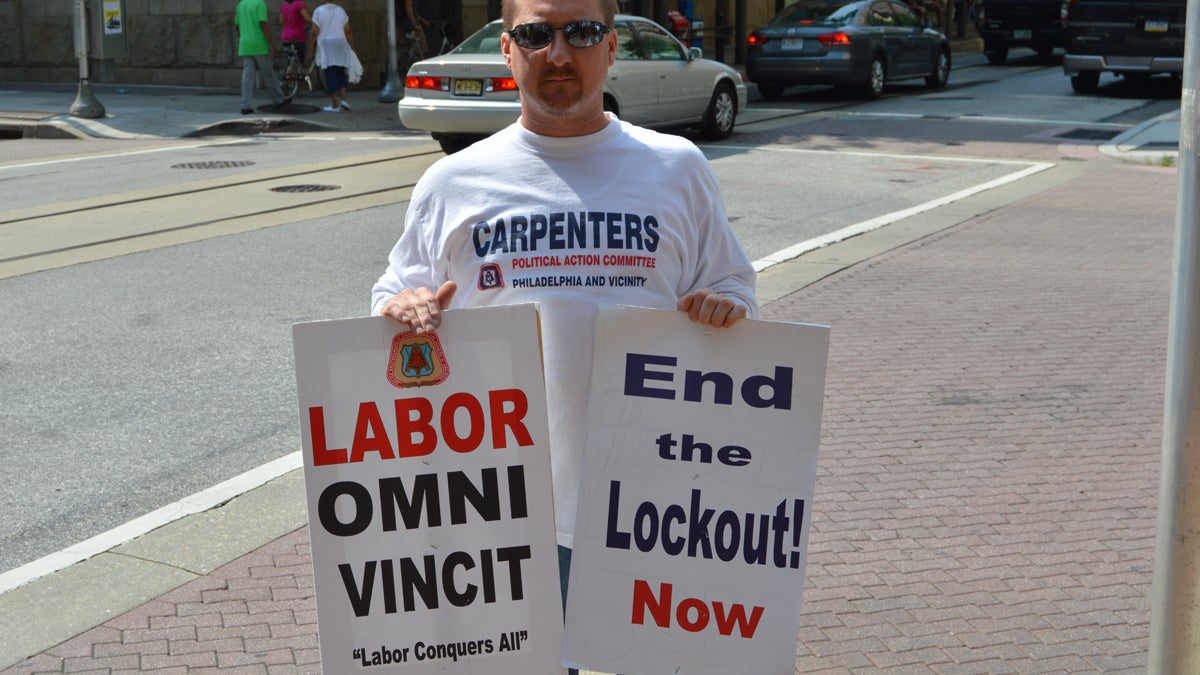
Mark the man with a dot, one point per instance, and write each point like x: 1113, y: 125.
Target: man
x: 409, y: 20
x: 256, y: 48
x: 565, y: 193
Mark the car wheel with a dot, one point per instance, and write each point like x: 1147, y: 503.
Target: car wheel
x: 771, y: 91
x: 876, y: 75
x: 610, y: 105
x: 720, y: 115
x: 996, y: 52
x: 452, y: 144
x: 1086, y: 82
x: 941, y: 70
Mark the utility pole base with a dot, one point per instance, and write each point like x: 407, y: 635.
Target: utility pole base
x: 85, y: 104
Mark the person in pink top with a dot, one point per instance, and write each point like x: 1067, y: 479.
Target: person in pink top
x: 295, y: 17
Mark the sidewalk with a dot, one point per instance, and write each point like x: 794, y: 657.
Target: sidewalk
x: 987, y: 486
x: 148, y: 111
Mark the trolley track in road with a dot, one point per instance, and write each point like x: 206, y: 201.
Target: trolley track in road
x: 67, y: 233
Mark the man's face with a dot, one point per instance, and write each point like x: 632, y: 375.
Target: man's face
x: 561, y: 86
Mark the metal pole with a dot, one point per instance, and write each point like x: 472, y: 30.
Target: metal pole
x: 1175, y: 610
x: 85, y: 104
x: 392, y: 90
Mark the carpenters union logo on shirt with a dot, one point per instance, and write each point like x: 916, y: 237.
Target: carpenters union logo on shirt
x: 417, y: 360
x: 490, y: 277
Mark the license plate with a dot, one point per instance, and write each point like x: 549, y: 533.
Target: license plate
x: 1157, y: 26
x: 468, y: 87
x: 793, y: 44
x: 1022, y: 34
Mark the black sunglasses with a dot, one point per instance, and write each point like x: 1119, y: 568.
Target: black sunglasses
x: 540, y: 35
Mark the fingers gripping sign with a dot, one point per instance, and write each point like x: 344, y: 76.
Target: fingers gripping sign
x: 420, y: 308
x: 711, y: 308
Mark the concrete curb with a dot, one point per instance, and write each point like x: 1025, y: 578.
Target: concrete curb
x: 1155, y: 141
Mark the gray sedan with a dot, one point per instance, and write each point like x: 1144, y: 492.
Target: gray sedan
x: 863, y: 44
x: 469, y: 93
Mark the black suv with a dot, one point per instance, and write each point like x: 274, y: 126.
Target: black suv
x: 1019, y: 23
x: 1132, y: 38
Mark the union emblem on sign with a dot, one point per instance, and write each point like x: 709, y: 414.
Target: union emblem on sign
x: 417, y: 360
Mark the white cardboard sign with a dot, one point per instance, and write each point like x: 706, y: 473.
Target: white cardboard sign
x: 697, y: 491
x: 427, y: 471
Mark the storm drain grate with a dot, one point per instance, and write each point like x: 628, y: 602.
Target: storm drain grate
x: 305, y: 188
x: 218, y: 164
x: 1089, y: 134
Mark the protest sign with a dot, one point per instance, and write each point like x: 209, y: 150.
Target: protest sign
x: 697, y: 491
x: 427, y: 472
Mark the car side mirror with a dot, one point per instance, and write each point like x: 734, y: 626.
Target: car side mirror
x: 695, y: 53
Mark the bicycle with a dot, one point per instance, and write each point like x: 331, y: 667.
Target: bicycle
x: 413, y: 53
x: 405, y: 59
x: 447, y: 44
x: 293, y: 72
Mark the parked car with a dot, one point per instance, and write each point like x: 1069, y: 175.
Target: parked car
x: 1004, y: 24
x: 1132, y: 38
x: 862, y: 43
x: 470, y: 93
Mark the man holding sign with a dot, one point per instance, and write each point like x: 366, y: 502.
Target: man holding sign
x: 571, y: 208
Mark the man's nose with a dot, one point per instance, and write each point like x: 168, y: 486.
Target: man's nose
x: 558, y: 52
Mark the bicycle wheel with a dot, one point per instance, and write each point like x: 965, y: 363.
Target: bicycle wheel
x: 406, y: 57
x: 447, y: 43
x: 289, y: 79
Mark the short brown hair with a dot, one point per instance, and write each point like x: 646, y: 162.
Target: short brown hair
x: 508, y: 10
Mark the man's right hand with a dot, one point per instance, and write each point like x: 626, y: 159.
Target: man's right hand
x: 420, y: 308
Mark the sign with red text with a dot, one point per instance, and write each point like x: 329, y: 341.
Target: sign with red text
x: 697, y: 489
x: 427, y: 472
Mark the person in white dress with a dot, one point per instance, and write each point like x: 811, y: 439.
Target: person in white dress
x: 334, y: 51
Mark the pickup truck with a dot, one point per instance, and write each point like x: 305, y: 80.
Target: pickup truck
x: 1130, y: 38
x: 1019, y: 23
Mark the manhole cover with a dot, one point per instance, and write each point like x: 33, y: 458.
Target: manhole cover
x: 219, y: 164
x: 305, y: 188
x: 1089, y: 134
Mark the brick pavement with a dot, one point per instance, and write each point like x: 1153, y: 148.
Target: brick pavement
x: 256, y: 614
x: 988, y: 476
x: 988, y: 473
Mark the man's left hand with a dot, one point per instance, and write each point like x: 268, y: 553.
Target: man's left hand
x: 711, y: 308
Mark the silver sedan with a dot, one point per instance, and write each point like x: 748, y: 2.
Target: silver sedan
x: 469, y: 93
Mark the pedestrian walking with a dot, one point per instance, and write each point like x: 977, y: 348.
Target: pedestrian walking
x: 566, y: 191
x: 294, y: 18
x: 334, y: 44
x: 255, y: 47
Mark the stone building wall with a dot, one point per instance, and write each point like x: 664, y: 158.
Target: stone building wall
x: 169, y: 42
x: 193, y: 42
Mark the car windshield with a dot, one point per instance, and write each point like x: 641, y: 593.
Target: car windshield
x: 816, y: 13
x: 484, y: 41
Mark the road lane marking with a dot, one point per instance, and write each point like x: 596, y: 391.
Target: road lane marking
x: 877, y: 222
x: 803, y: 247
x: 106, y: 541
